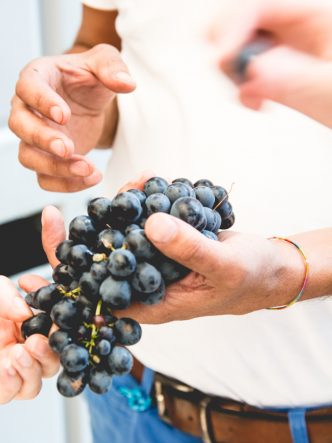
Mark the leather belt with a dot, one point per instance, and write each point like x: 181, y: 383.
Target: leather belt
x: 220, y: 420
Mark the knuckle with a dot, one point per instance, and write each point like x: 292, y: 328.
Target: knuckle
x: 43, y: 183
x: 22, y: 157
x: 36, y: 136
x: 104, y: 48
x: 13, y: 121
x: 54, y: 166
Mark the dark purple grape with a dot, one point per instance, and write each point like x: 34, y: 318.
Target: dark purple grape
x: 139, y: 245
x: 147, y: 278
x: 80, y: 258
x: 115, y: 293
x: 47, y: 296
x: 205, y: 195
x: 59, y: 340
x: 31, y: 300
x: 228, y: 222
x: 99, y: 271
x: 89, y: 286
x: 103, y: 347
x: 100, y: 381
x: 82, y: 230
x: 126, y: 207
x: 157, y: 203
x: 203, y: 182
x: 121, y: 263
x: 225, y: 210
x: 63, y: 274
x: 70, y: 385
x: 127, y: 331
x: 65, y: 314
x: 120, y: 361
x: 183, y: 180
x: 171, y: 271
x: 74, y: 358
x: 151, y: 298
x: 220, y: 194
x: 139, y: 194
x: 155, y: 185
x: 191, y: 211
x: 178, y: 190
x: 131, y: 227
x: 62, y: 251
x: 107, y: 333
x: 38, y: 324
x: 98, y: 210
x: 109, y: 239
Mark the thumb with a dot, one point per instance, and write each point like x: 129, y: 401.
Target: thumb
x: 53, y: 232
x: 183, y: 243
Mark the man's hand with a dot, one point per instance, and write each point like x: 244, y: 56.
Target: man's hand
x: 59, y: 113
x: 22, y: 365
x: 296, y: 70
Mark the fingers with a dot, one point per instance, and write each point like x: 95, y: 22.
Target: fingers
x: 12, y: 305
x: 37, y: 132
x: 105, y: 62
x: 139, y: 182
x: 34, y: 89
x: 53, y: 232
x: 58, y: 184
x: 31, y: 283
x: 183, y: 243
x: 29, y: 371
x: 37, y: 346
x: 47, y: 164
x: 10, y: 381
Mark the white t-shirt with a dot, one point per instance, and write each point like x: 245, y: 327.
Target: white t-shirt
x: 184, y: 120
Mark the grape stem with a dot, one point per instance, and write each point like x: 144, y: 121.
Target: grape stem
x: 226, y: 196
x: 94, y: 332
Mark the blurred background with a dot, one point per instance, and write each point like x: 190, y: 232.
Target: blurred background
x: 33, y: 28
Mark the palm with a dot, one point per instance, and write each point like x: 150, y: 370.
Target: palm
x: 87, y: 99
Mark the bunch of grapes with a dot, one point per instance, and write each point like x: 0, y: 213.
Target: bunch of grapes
x: 106, y: 264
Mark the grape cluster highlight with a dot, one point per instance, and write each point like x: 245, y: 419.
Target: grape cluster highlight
x: 108, y: 263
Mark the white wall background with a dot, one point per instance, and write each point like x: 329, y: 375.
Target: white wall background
x: 28, y: 29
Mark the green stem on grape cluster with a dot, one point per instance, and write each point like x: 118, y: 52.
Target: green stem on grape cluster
x: 71, y: 294
x: 94, y: 333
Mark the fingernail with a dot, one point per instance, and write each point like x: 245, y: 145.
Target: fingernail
x: 20, y: 307
x: 93, y: 179
x: 58, y: 147
x: 9, y: 368
x: 80, y: 168
x: 161, y: 228
x: 23, y: 358
x: 124, y: 77
x: 56, y: 114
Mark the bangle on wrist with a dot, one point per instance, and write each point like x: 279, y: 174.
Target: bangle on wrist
x: 306, y: 275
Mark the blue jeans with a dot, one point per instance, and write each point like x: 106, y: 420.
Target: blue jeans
x: 113, y: 420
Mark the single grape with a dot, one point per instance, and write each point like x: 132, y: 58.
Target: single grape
x: 183, y: 180
x: 70, y: 385
x: 151, y: 298
x: 89, y: 286
x: 131, y: 227
x: 205, y: 195
x: 100, y: 381
x: 126, y: 207
x: 220, y: 194
x: 155, y: 185
x: 203, y: 182
x: 109, y: 239
x: 228, y: 222
x: 189, y: 210
x: 63, y: 274
x: 157, y: 203
x: 98, y: 210
x: 65, y: 314
x: 38, y: 324
x: 127, y: 331
x: 82, y: 230
x: 47, y: 296
x: 120, y: 361
x: 107, y: 333
x: 80, y: 258
x: 103, y: 347
x: 99, y: 271
x: 225, y: 210
x: 121, y: 263
x: 59, y: 340
x: 74, y: 358
x: 178, y: 190
x: 62, y: 251
x: 139, y: 245
x: 147, y: 278
x: 139, y: 194
x: 115, y: 293
x: 30, y: 299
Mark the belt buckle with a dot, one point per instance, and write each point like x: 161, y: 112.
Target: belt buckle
x: 207, y: 431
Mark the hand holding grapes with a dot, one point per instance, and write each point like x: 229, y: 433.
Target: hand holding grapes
x: 22, y: 365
